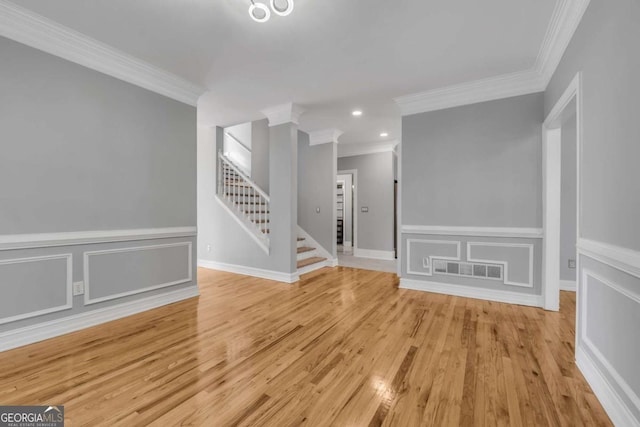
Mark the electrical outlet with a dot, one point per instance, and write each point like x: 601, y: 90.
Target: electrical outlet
x: 78, y: 288
x: 425, y: 262
x: 208, y: 248
x: 317, y: 210
x: 572, y: 263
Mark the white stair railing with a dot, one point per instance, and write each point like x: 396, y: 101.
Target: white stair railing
x: 243, y: 196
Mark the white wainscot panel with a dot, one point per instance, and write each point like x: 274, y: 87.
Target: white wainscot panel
x: 421, y: 252
x: 35, y: 286
x: 116, y: 273
x: 517, y: 259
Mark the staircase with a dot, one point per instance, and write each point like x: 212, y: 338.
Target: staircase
x: 250, y: 204
x: 308, y: 257
x: 242, y: 196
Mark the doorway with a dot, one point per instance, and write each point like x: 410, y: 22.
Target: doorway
x: 346, y: 220
x: 562, y: 142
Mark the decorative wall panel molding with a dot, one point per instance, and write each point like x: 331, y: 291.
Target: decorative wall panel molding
x: 616, y: 407
x: 47, y: 283
x: 507, y: 277
x: 44, y: 240
x: 132, y: 270
x: 445, y: 248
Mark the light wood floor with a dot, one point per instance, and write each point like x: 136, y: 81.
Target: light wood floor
x: 344, y: 347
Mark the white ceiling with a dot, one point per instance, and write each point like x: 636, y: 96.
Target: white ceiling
x: 330, y: 56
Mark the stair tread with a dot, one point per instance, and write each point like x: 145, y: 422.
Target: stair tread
x: 305, y: 249
x: 309, y: 261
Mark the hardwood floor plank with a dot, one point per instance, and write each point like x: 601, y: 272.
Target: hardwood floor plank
x: 341, y: 347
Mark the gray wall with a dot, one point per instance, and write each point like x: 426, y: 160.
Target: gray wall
x: 260, y: 154
x: 476, y: 165
x: 316, y: 188
x: 375, y: 191
x: 83, y: 151
x: 568, y: 208
x: 605, y: 50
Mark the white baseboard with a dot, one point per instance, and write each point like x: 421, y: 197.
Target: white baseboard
x: 332, y: 262
x: 347, y: 244
x: 568, y: 285
x: 373, y: 254
x: 250, y: 271
x: 42, y: 331
x: 472, y: 292
x: 611, y: 401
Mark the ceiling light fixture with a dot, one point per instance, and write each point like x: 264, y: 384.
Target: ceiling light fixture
x: 384, y: 134
x: 259, y: 12
x: 282, y: 11
x: 356, y: 113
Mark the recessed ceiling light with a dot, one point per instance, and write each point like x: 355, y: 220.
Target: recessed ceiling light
x: 357, y: 113
x: 384, y: 134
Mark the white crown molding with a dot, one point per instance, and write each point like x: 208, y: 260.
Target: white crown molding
x: 324, y: 136
x: 284, y: 113
x: 562, y: 26
x: 438, y: 230
x: 43, y: 331
x: 349, y: 150
x: 45, y: 240
x: 29, y: 28
x: 505, y: 86
x: 564, y: 21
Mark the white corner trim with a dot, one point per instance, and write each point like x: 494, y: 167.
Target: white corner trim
x: 620, y: 258
x: 332, y: 262
x: 312, y: 242
x: 42, y: 331
x: 250, y: 271
x: 563, y: 23
x: 562, y: 26
x: 374, y: 254
x: 87, y: 271
x: 436, y: 230
x: 472, y: 292
x: 611, y: 401
x: 325, y: 136
x: 568, y: 285
x: 27, y: 27
x: 505, y: 264
x: 356, y: 149
x: 285, y: 113
x: 45, y: 240
x: 68, y: 286
x: 504, y: 86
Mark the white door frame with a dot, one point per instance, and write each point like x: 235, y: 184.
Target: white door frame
x: 354, y: 173
x: 551, y: 197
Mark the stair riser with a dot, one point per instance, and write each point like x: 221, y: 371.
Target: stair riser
x: 305, y: 255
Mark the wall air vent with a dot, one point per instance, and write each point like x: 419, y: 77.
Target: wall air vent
x: 468, y: 269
